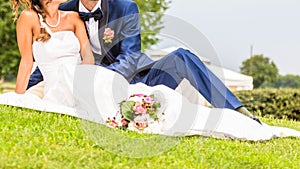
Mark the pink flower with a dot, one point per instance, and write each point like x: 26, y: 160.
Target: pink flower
x: 149, y: 100
x: 139, y: 108
x: 139, y: 95
x: 108, y: 35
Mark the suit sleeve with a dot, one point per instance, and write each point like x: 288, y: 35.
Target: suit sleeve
x: 129, y: 58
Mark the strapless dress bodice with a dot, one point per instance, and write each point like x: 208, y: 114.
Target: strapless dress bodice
x: 61, y: 46
x: 56, y: 59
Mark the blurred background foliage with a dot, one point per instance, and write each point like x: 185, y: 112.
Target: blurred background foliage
x: 265, y: 73
x: 151, y: 13
x: 9, y: 54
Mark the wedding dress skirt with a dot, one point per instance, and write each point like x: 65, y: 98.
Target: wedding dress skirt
x: 97, y: 92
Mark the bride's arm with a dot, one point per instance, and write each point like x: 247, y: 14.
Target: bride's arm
x: 85, y: 47
x: 25, y: 39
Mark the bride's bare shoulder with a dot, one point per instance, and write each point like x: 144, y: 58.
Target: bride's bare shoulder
x: 70, y: 14
x: 72, y: 18
x: 28, y: 13
x: 28, y: 16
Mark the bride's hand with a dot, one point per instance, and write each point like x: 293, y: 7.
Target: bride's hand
x: 88, y: 60
x: 87, y: 55
x: 17, y: 93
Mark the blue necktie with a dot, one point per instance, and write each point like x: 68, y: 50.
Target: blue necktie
x: 97, y: 15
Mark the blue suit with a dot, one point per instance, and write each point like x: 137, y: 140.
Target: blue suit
x: 124, y: 56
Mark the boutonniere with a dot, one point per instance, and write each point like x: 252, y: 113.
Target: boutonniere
x: 108, y: 36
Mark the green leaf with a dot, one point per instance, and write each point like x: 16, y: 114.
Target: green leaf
x: 156, y: 105
x: 153, y: 116
x: 127, y: 109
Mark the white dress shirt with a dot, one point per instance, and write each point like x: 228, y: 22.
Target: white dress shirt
x: 92, y: 28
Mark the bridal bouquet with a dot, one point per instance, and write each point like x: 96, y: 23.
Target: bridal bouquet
x: 137, y: 111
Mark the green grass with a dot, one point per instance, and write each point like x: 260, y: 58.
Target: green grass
x: 32, y: 139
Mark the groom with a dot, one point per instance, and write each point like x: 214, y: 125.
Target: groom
x: 123, y: 54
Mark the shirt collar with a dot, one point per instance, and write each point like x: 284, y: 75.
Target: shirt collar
x: 83, y: 9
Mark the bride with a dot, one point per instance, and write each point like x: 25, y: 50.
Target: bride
x: 58, y: 43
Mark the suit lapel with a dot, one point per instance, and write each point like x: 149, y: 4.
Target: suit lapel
x: 103, y: 23
x: 77, y: 5
x: 105, y: 9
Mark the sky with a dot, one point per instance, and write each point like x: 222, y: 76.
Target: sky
x: 272, y: 27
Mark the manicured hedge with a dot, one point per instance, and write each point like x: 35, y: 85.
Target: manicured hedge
x: 278, y: 103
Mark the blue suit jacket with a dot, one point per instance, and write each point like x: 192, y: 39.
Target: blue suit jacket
x: 124, y: 53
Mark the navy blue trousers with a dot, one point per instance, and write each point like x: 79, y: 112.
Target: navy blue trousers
x: 180, y: 64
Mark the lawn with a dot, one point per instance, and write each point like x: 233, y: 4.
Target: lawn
x: 32, y: 139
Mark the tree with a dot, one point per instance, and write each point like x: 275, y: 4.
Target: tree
x: 151, y: 14
x: 263, y: 70
x: 9, y: 53
x: 288, y: 81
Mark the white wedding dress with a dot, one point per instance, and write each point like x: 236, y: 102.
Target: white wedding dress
x: 93, y: 93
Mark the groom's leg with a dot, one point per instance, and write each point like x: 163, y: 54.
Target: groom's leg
x: 180, y: 64
x: 35, y: 78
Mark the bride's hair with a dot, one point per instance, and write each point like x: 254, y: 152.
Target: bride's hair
x: 35, y: 5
